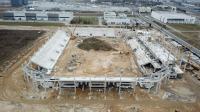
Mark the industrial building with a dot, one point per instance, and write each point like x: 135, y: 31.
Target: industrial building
x: 17, y: 3
x: 112, y: 18
x: 173, y: 17
x: 38, y: 16
x: 144, y: 9
x: 41, y: 5
x: 108, y: 15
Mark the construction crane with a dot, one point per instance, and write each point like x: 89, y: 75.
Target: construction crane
x: 72, y: 33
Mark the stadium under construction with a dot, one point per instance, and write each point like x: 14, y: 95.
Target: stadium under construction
x: 141, y: 58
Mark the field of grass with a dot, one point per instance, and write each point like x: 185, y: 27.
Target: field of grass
x: 85, y: 20
x: 30, y: 23
x: 192, y: 38
x: 190, y: 33
x: 186, y: 27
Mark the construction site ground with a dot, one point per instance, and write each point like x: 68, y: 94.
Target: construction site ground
x: 97, y: 63
x: 16, y: 95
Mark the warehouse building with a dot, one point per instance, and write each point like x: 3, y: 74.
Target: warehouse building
x: 38, y: 16
x: 112, y: 18
x: 173, y: 17
x: 17, y: 3
x: 66, y: 6
x: 144, y: 9
x: 108, y: 15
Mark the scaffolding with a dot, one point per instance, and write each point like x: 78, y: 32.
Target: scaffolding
x: 43, y: 78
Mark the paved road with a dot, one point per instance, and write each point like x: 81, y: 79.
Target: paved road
x: 177, y: 39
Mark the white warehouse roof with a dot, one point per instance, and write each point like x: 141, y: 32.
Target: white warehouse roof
x: 173, y: 17
x: 172, y: 14
x: 118, y: 21
x: 49, y: 53
x: 110, y: 13
x: 20, y: 13
x: 40, y: 5
x: 113, y: 18
x: 95, y: 32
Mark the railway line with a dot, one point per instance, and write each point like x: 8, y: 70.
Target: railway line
x: 176, y: 38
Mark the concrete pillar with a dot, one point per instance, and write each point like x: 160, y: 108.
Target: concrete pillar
x: 119, y: 92
x: 27, y: 77
x: 53, y: 84
x: 158, y: 85
x: 60, y: 89
x: 149, y: 90
x: 74, y: 86
x: 105, y: 85
x: 90, y: 84
x: 83, y: 87
x: 45, y: 89
x: 185, y: 67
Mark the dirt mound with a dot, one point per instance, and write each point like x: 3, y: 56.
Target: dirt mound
x: 95, y: 44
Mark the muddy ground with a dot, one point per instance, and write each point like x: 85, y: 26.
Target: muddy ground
x: 12, y: 42
x: 16, y: 95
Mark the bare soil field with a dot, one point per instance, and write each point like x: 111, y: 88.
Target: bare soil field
x: 12, y: 42
x: 118, y: 59
x: 17, y: 95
